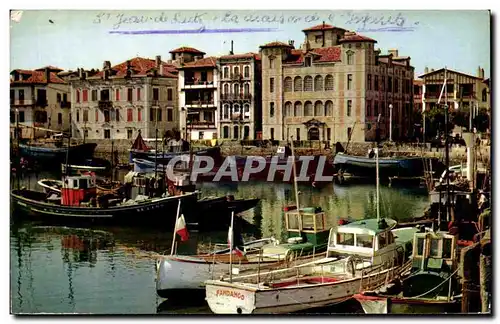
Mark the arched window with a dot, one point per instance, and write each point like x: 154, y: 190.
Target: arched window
x: 308, y: 83
x: 297, y: 84
x: 297, y: 109
x: 236, y: 89
x: 247, y: 71
x: 246, y: 132
x: 236, y: 133
x: 329, y: 108
x: 246, y: 111
x: 287, y: 84
x: 225, y: 112
x: 247, y: 89
x: 117, y: 115
x: 350, y: 58
x: 288, y: 109
x: 236, y: 71
x: 226, y: 88
x: 328, y: 82
x: 225, y: 132
x: 484, y: 95
x: 318, y: 83
x: 236, y: 109
x: 77, y: 116
x: 308, y: 111
x: 318, y: 108
x: 226, y: 72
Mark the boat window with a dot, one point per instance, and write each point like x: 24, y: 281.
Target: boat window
x: 308, y: 222
x: 75, y: 183
x: 345, y: 239
x: 320, y: 225
x: 420, y: 246
x: 447, y: 246
x: 382, y: 240
x: 363, y: 240
x: 434, y: 248
x: 83, y: 184
x: 293, y: 221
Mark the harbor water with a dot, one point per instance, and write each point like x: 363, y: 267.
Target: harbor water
x: 111, y: 270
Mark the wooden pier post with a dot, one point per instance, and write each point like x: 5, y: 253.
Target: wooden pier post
x: 485, y: 273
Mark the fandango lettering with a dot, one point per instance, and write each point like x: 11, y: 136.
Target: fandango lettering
x: 230, y: 293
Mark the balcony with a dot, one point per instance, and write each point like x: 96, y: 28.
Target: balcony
x: 236, y: 97
x: 155, y: 103
x: 22, y: 102
x: 199, y: 84
x: 41, y: 102
x: 200, y: 104
x: 201, y: 124
x: 65, y: 104
x: 105, y: 104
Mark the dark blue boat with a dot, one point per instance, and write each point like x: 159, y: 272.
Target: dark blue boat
x: 56, y: 155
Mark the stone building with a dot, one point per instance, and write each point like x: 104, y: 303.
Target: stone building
x: 462, y: 90
x: 240, y: 113
x: 41, y: 99
x: 334, y: 86
x: 198, y: 94
x: 118, y: 102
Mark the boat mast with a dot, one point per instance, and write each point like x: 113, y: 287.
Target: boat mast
x: 295, y: 177
x: 156, y: 144
x: 172, y: 250
x: 231, y: 239
x: 69, y: 144
x: 18, y: 150
x: 378, y: 179
x: 447, y: 153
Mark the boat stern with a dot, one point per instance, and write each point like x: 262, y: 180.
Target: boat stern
x: 225, y: 298
x: 176, y: 274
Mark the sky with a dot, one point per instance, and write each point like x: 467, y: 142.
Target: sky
x: 72, y: 39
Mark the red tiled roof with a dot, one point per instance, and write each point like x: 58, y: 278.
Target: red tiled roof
x: 36, y: 77
x: 237, y: 56
x: 321, y: 27
x: 353, y: 37
x: 452, y: 71
x: 324, y: 54
x: 185, y: 49
x: 50, y: 67
x: 204, y: 62
x: 141, y: 66
x: 275, y: 44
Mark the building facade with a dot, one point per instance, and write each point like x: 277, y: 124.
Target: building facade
x: 333, y: 88
x: 139, y: 95
x: 240, y: 112
x: 39, y: 100
x: 198, y: 94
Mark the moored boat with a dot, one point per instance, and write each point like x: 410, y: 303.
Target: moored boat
x: 50, y: 185
x: 93, y: 165
x: 53, y: 156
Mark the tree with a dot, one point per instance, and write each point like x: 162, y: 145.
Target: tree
x: 482, y: 121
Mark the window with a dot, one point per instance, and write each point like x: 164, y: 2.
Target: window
x: 369, y: 82
x: 170, y: 114
x: 236, y: 132
x: 246, y: 111
x: 106, y: 116
x: 328, y: 134
x: 350, y: 58
x: 308, y: 83
x: 58, y: 97
x: 170, y: 94
x: 345, y: 239
x: 308, y: 61
x: 94, y: 95
x: 236, y: 71
x: 329, y: 108
x: 130, y: 115
x: 272, y: 133
x: 271, y: 85
x: 40, y: 116
x: 21, y: 117
x: 349, y: 132
x: 85, y: 95
x: 420, y: 246
x: 138, y: 94
x: 389, y: 84
x: 107, y: 133
x: 293, y: 221
x: 484, y: 95
x: 318, y: 39
x: 382, y: 85
x: 271, y: 63
x: 297, y: 84
x: 96, y: 115
x: 201, y: 135
x: 271, y: 109
x: 297, y: 109
x: 236, y: 89
x: 85, y: 116
x: 396, y: 85
x: 77, y: 116
x: 368, y: 108
x: 349, y: 81
x: 298, y: 134
x: 375, y: 109
x: 77, y: 95
x: 246, y: 90
x: 236, y: 109
x: 225, y: 132
x: 204, y: 76
x: 318, y: 83
x: 287, y: 84
x: 308, y: 110
x: 129, y: 94
x: 12, y: 95
x: 225, y: 73
x: 129, y: 134
x: 318, y: 108
x: 363, y: 240
x: 434, y: 251
x: 288, y: 109
x: 247, y: 71
x: 349, y: 107
x: 117, y: 95
x: 308, y: 222
x: 156, y: 94
x: 447, y: 248
x: 139, y: 114
x: 382, y: 240
x: 117, y: 115
x: 154, y: 114
x: 328, y: 82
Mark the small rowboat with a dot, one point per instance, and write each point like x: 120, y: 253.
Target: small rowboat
x: 50, y: 185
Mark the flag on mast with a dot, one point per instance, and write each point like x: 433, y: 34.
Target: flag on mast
x: 230, y: 242
x: 181, y: 229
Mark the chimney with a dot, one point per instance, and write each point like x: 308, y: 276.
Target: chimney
x: 80, y: 73
x: 47, y: 75
x: 232, y: 51
x: 426, y: 70
x: 482, y: 74
x: 106, y: 65
x: 394, y: 52
x: 479, y: 71
x: 158, y: 61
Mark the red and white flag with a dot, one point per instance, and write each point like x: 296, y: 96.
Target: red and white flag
x: 235, y: 250
x: 181, y: 229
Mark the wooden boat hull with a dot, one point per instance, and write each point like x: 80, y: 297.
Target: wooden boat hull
x: 161, y: 211
x: 52, y: 156
x: 401, y: 305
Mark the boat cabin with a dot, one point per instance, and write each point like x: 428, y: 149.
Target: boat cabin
x: 434, y: 251
x: 306, y: 225
x: 77, y: 189
x: 368, y: 238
